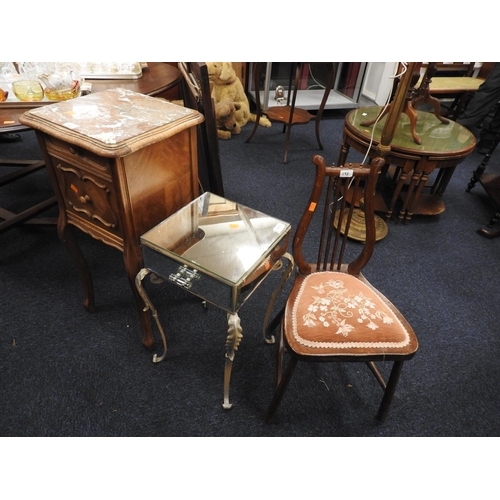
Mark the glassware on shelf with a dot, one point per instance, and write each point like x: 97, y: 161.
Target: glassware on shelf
x: 27, y: 90
x: 61, y: 86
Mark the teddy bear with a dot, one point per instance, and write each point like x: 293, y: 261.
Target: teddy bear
x: 225, y: 118
x: 226, y: 86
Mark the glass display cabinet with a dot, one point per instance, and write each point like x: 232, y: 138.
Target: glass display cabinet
x: 344, y: 94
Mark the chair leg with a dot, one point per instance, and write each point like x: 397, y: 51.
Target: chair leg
x: 280, y: 349
x: 280, y: 390
x: 376, y: 372
x: 389, y: 390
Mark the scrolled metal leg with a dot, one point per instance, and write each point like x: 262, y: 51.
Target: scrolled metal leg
x: 287, y: 271
x: 148, y: 305
x: 232, y: 343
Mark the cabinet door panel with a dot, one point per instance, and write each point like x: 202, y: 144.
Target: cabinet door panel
x: 88, y: 196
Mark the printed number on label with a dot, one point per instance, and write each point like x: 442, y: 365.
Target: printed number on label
x: 346, y: 173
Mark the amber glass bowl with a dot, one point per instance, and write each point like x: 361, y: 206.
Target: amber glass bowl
x: 62, y: 94
x: 28, y: 90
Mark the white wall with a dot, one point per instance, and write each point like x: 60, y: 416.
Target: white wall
x: 378, y: 83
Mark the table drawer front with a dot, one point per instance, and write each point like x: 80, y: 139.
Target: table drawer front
x: 79, y: 157
x: 192, y: 280
x: 88, y: 196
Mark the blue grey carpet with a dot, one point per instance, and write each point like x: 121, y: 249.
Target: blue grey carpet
x: 66, y: 372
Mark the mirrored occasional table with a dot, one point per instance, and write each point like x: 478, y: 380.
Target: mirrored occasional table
x: 220, y: 251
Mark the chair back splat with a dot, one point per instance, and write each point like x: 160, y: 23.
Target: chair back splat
x: 346, y: 190
x: 333, y: 314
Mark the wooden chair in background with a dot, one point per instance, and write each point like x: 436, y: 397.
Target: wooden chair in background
x: 196, y: 94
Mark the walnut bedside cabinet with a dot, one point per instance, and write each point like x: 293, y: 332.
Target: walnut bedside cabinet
x: 120, y: 162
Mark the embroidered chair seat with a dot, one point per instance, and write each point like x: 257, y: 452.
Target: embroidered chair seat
x: 336, y: 313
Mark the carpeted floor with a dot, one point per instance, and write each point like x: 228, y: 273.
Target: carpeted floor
x: 65, y: 372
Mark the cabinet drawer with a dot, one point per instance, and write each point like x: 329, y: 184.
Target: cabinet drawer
x: 79, y: 156
x: 88, y: 196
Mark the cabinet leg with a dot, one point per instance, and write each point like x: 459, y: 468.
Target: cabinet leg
x: 67, y: 237
x: 133, y: 261
x: 144, y: 317
x: 145, y: 320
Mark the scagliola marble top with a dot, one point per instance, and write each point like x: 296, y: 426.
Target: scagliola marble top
x: 111, y: 120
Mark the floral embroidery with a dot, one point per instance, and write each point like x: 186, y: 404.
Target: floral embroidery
x: 333, y: 307
x: 333, y: 310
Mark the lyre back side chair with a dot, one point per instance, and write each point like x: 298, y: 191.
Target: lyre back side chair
x: 333, y: 313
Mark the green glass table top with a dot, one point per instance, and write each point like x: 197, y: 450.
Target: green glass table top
x: 437, y: 138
